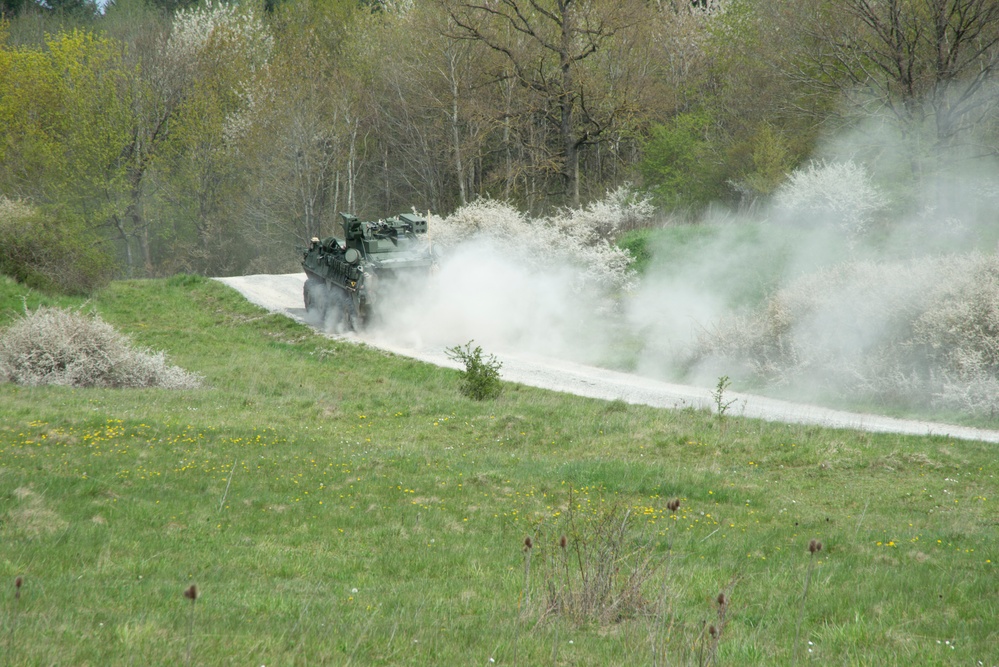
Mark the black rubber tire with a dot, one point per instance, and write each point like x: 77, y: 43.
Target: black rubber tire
x: 307, y: 294
x: 315, y: 297
x: 350, y: 315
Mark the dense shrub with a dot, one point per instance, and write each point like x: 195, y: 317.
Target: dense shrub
x: 578, y: 238
x: 481, y: 379
x: 959, y: 333
x: 49, y: 253
x: 61, y: 347
x: 922, y: 331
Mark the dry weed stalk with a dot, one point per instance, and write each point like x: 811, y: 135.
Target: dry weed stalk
x: 528, y: 549
x: 814, y: 547
x: 664, y: 619
x: 191, y: 593
x: 715, y: 630
x: 15, y: 612
x: 525, y: 596
x: 601, y: 567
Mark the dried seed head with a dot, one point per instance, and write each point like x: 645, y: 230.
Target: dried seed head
x: 18, y: 582
x: 17, y: 588
x: 563, y: 542
x: 528, y: 543
x: 814, y: 546
x: 722, y: 600
x: 191, y: 593
x: 713, y: 631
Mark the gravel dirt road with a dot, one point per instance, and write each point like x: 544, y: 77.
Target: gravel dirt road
x: 283, y: 294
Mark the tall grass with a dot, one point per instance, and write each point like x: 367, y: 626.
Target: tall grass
x: 376, y: 516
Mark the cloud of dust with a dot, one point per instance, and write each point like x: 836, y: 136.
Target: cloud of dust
x: 821, y: 292
x: 816, y: 290
x: 484, y: 291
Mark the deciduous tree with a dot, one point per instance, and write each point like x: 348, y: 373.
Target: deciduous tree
x: 67, y: 123
x: 930, y: 64
x: 225, y: 50
x: 303, y: 147
x: 545, y: 45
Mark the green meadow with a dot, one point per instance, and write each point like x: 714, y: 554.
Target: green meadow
x: 334, y: 504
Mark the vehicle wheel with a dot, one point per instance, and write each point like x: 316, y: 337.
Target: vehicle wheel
x: 335, y: 310
x: 314, y: 295
x: 307, y: 295
x: 350, y: 315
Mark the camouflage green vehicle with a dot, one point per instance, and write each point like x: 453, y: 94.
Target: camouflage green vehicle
x: 374, y: 262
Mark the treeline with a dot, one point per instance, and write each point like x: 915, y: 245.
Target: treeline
x: 148, y: 137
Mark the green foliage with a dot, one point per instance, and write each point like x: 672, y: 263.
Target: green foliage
x: 65, y: 114
x: 79, y: 8
x: 74, y: 9
x: 638, y: 243
x: 481, y: 377
x: 680, y: 165
x: 722, y: 403
x: 335, y: 505
x: 11, y: 8
x: 92, y: 82
x: 769, y: 161
x: 29, y: 121
x: 205, y: 139
x: 51, y: 251
x: 174, y: 5
x: 68, y: 111
x: 740, y: 263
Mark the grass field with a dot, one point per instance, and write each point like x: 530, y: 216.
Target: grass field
x: 337, y: 505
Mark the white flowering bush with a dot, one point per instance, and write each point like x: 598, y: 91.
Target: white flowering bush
x: 620, y: 209
x: 578, y: 239
x: 13, y: 209
x: 838, y: 193
x: 234, y: 28
x: 62, y: 347
x: 959, y: 333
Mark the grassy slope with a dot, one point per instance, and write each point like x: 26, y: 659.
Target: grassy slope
x: 308, y: 468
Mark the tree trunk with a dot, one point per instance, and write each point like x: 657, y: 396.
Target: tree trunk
x: 567, y: 103
x: 455, y: 130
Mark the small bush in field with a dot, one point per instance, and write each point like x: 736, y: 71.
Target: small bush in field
x: 61, y: 347
x: 603, y: 567
x: 481, y: 379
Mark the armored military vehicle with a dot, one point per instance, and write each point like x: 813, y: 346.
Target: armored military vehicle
x: 346, y: 277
